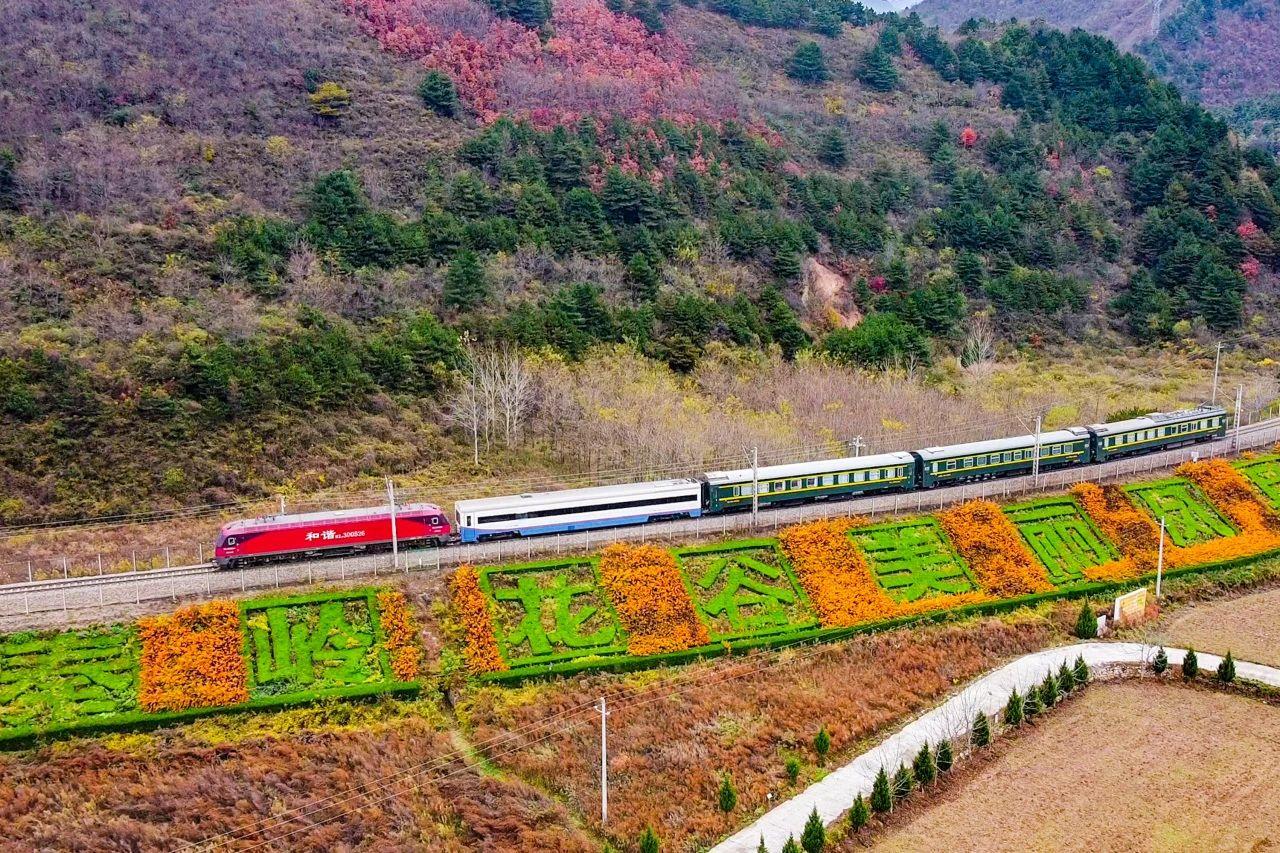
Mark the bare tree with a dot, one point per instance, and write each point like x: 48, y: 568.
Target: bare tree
x: 493, y: 396
x: 979, y: 353
x: 514, y: 390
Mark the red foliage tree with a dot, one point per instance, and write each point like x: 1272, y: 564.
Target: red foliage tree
x: 968, y: 137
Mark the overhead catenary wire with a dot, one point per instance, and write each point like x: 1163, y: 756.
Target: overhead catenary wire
x: 647, y: 696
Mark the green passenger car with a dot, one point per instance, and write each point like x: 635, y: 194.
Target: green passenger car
x: 1157, y: 431
x: 804, y: 481
x: 981, y: 460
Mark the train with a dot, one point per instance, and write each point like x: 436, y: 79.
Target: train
x: 713, y: 492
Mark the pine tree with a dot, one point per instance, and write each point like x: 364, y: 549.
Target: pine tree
x: 832, y: 148
x: 971, y: 272
x: 1013, y: 715
x: 791, y: 846
x: 1086, y: 622
x: 1227, y: 669
x: 980, y: 734
x: 822, y: 745
x: 946, y: 758
x: 877, y: 71
x: 762, y: 848
x: 1066, y: 678
x: 465, y: 285
x: 642, y: 278
x: 1081, y: 671
x: 1032, y: 706
x: 807, y: 64
x: 438, y: 94
x: 793, y: 769
x: 881, y: 794
x: 1190, y: 665
x: 728, y: 796
x: 649, y: 841
x: 924, y: 767
x: 903, y: 782
x: 1161, y: 661
x: 1049, y: 691
x: 814, y: 837
x: 859, y: 814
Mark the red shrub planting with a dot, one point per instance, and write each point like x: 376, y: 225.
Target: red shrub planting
x: 597, y: 63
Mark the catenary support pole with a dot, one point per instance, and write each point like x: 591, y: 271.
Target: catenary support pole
x: 1160, y: 560
x: 755, y: 487
x: 604, y: 762
x: 1239, y: 403
x: 1217, y: 358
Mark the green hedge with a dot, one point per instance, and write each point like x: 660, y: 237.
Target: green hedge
x: 824, y: 635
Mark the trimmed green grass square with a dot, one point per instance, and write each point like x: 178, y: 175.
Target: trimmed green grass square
x: 1264, y: 474
x: 745, y: 590
x: 1189, y: 516
x: 551, y: 611
x: 1062, y: 537
x: 913, y: 559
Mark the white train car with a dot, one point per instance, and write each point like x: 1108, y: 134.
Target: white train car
x: 577, y: 509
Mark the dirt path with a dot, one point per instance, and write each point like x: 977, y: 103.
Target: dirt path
x: 1167, y: 768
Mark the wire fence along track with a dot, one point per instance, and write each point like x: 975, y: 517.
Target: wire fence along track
x: 60, y: 597
x: 188, y: 554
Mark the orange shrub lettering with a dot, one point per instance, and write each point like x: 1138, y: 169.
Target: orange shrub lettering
x: 651, y: 600
x: 1132, y: 531
x: 401, y: 632
x: 480, y: 648
x: 989, y: 542
x: 192, y: 658
x: 1230, y: 491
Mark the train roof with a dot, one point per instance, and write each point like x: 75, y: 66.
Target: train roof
x: 573, y: 496
x: 1156, y: 419
x: 996, y: 445
x: 301, y: 519
x: 804, y: 469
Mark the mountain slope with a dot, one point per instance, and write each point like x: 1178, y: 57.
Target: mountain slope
x: 1224, y: 54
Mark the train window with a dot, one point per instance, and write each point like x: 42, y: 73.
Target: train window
x: 435, y: 520
x: 231, y: 541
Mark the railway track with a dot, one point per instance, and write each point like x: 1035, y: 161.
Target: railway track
x: 26, y: 603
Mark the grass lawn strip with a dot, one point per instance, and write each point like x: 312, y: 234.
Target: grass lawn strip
x: 1062, y: 537
x: 912, y: 559
x: 1189, y: 517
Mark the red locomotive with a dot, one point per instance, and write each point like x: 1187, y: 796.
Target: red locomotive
x: 314, y: 534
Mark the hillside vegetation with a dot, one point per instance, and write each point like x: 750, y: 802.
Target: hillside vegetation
x: 251, y: 244
x: 1223, y: 54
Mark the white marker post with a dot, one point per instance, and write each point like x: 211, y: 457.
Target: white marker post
x: 395, y: 544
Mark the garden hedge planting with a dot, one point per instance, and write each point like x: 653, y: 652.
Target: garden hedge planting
x: 1189, y: 517
x: 211, y: 657
x: 829, y: 579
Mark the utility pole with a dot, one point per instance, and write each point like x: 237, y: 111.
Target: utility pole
x: 1160, y: 560
x: 1217, y: 359
x: 282, y: 504
x: 1239, y: 405
x: 604, y: 762
x: 1035, y: 461
x: 395, y: 544
x: 755, y: 492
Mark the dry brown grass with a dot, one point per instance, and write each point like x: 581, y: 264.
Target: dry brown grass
x: 671, y: 738
x: 1137, y: 766
x: 1245, y: 626
x: 162, y: 796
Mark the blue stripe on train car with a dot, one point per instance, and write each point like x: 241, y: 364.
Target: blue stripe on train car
x: 472, y: 534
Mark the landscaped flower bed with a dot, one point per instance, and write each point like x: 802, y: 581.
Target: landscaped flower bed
x: 833, y: 577
x: 1062, y: 537
x: 220, y: 655
x: 1264, y: 474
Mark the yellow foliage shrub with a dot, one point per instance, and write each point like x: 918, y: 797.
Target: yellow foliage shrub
x: 990, y: 543
x: 469, y: 602
x: 192, y: 658
x: 651, y: 600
